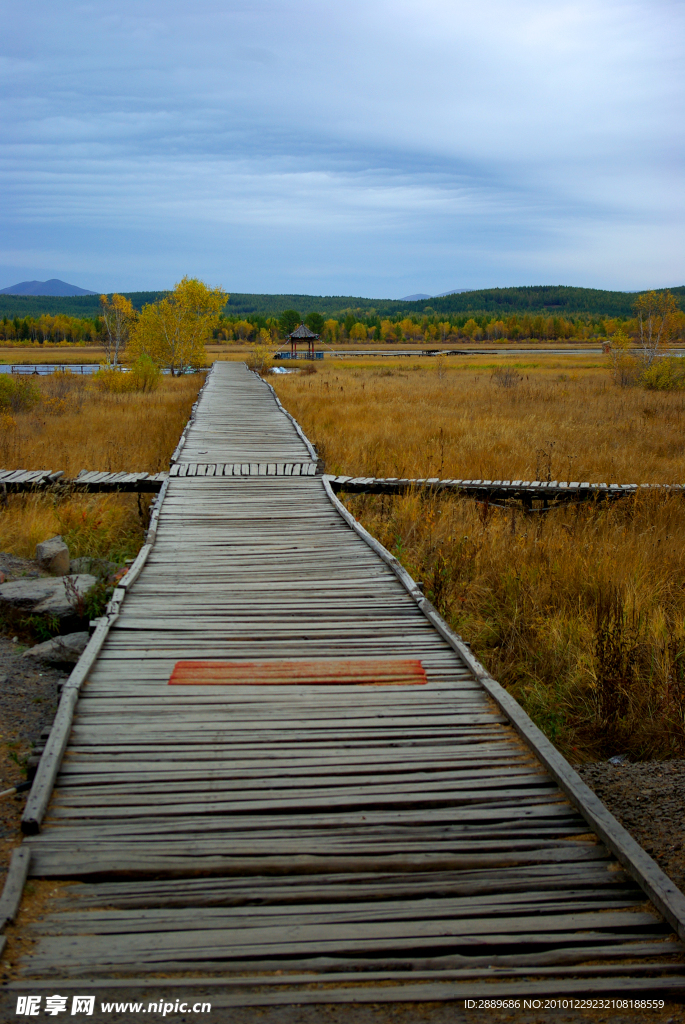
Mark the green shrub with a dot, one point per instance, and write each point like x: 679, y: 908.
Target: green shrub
x: 664, y: 375
x: 144, y: 375
x: 17, y: 393
x: 114, y: 382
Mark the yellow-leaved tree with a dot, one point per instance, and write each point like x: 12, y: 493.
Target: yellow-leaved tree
x: 359, y: 332
x: 117, y: 317
x: 330, y: 330
x: 174, y: 331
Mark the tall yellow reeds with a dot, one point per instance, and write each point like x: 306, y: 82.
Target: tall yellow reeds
x: 76, y: 426
x: 565, y: 421
x: 579, y: 611
x: 107, y: 526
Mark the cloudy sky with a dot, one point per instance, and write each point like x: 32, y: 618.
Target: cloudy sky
x: 372, y: 148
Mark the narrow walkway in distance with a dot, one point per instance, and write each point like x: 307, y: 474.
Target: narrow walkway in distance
x: 238, y: 420
x: 401, y: 833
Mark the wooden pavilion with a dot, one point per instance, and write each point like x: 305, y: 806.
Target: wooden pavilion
x: 302, y: 333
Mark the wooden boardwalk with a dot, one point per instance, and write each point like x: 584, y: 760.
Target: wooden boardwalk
x: 525, y: 491
x: 348, y: 833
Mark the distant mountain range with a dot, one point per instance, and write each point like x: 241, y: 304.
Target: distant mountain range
x: 440, y: 295
x: 52, y: 287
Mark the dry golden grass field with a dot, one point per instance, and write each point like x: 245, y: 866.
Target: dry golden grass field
x: 74, y: 426
x: 32, y: 354
x: 579, y: 611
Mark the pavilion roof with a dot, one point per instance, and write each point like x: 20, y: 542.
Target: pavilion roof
x: 302, y: 332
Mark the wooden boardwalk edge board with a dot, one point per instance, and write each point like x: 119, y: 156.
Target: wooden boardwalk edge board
x: 14, y: 884
x: 310, y: 447
x: 663, y: 892
x: 182, y: 440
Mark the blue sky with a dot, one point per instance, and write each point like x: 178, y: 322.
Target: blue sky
x: 372, y: 148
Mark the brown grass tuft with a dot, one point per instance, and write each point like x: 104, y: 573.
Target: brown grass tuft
x: 108, y: 526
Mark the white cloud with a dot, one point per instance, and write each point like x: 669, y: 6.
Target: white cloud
x: 490, y: 139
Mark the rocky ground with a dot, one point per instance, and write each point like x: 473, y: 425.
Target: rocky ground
x: 648, y: 798
x: 35, y: 593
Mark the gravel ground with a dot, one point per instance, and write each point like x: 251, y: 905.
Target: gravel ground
x: 648, y: 798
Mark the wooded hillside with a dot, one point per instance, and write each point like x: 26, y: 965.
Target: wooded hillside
x: 543, y: 299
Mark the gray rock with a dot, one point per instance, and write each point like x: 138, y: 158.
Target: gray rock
x: 53, y: 556
x: 95, y: 566
x: 12, y: 566
x: 58, y: 597
x: 61, y: 650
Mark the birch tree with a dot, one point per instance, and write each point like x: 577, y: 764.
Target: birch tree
x: 657, y: 319
x: 117, y: 317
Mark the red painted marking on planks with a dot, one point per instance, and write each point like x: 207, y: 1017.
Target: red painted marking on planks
x: 321, y: 671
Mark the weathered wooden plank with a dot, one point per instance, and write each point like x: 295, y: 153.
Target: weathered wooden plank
x: 445, y: 968
x: 275, y: 781
x: 308, y: 799
x: 367, y: 936
x: 329, y: 889
x: 511, y: 907
x: 14, y: 884
x: 164, y: 856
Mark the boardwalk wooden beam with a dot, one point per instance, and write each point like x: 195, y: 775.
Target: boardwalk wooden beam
x: 525, y: 491
x: 87, y: 482
x: 276, y: 756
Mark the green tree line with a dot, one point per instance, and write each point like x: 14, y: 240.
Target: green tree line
x: 430, y: 328
x: 547, y: 300
x: 425, y: 329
